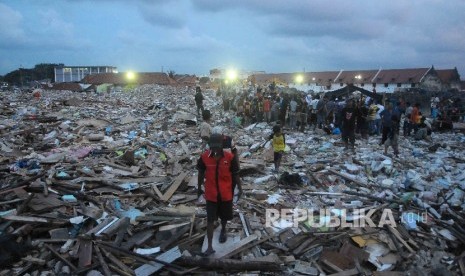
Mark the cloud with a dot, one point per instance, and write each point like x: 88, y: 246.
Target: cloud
x: 56, y: 32
x: 184, y: 40
x: 11, y: 31
x: 163, y: 13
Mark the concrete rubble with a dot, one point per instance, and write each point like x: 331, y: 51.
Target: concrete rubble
x: 105, y: 184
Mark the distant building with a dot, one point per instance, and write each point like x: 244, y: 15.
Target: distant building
x: 135, y: 79
x: 381, y: 80
x: 77, y: 73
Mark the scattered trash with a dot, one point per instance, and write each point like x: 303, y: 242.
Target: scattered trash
x: 91, y: 188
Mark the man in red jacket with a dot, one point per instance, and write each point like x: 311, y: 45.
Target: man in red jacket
x: 219, y: 170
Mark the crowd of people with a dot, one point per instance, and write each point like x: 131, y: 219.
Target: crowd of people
x: 350, y: 116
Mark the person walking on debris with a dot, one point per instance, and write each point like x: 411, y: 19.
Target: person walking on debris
x: 283, y: 110
x: 247, y: 112
x: 378, y: 122
x: 321, y: 113
x: 293, y: 113
x: 218, y: 169
x: 302, y: 117
x: 199, y: 100
x: 407, y: 126
x: 392, y: 137
x: 386, y: 116
x: 205, y: 128
x: 415, y: 117
x: 313, y: 116
x: 267, y: 108
x: 372, y: 111
x: 362, y: 114
x: 279, y: 144
x: 275, y: 110
x: 348, y: 125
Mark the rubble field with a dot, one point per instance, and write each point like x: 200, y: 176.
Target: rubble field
x: 106, y: 184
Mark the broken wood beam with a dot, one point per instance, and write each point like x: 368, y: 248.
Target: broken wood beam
x: 399, y: 237
x: 348, y: 177
x: 61, y: 257
x: 117, y: 262
x: 350, y: 272
x: 106, y: 270
x: 27, y: 219
x: 85, y: 253
x: 142, y: 258
x: 228, y: 264
x: 169, y: 193
x: 373, y: 197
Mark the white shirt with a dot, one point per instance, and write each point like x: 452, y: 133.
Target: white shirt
x: 205, y: 129
x: 381, y: 108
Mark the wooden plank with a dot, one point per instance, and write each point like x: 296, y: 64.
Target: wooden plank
x: 244, y: 225
x: 175, y: 236
x: 85, y: 253
x: 32, y: 219
x: 157, y: 191
x: 172, y: 226
x: 174, y: 187
x: 169, y: 257
x: 106, y: 270
x: 461, y: 262
x: 398, y: 236
x: 232, y: 244
x: 349, y: 177
x: 60, y: 257
x: 117, y: 262
x: 331, y: 265
x: 102, y: 224
x: 350, y: 272
x: 139, y: 180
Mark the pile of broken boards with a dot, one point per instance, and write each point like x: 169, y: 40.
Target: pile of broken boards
x: 106, y: 185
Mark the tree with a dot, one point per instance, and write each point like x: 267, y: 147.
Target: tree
x: 171, y: 74
x: 204, y: 80
x: 24, y: 76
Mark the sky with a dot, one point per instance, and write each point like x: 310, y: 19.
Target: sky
x: 195, y: 36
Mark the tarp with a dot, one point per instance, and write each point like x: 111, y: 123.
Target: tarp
x: 346, y: 90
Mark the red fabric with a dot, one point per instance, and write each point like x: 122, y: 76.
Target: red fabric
x: 266, y: 105
x: 224, y: 177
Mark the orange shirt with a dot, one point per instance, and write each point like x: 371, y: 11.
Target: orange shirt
x: 415, y: 115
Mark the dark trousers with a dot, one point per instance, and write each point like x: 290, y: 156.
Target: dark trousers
x: 386, y: 131
x: 348, y: 136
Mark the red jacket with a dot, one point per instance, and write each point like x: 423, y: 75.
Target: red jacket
x: 220, y: 177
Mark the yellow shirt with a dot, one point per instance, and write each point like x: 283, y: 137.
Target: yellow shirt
x: 278, y: 143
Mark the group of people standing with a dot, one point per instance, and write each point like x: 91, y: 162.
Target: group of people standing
x: 218, y: 164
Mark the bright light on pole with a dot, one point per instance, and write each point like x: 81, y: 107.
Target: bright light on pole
x: 299, y: 79
x: 130, y: 75
x: 232, y: 75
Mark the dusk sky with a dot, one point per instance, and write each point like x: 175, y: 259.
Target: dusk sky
x: 194, y: 36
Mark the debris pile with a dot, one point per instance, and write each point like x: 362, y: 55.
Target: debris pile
x: 105, y: 184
